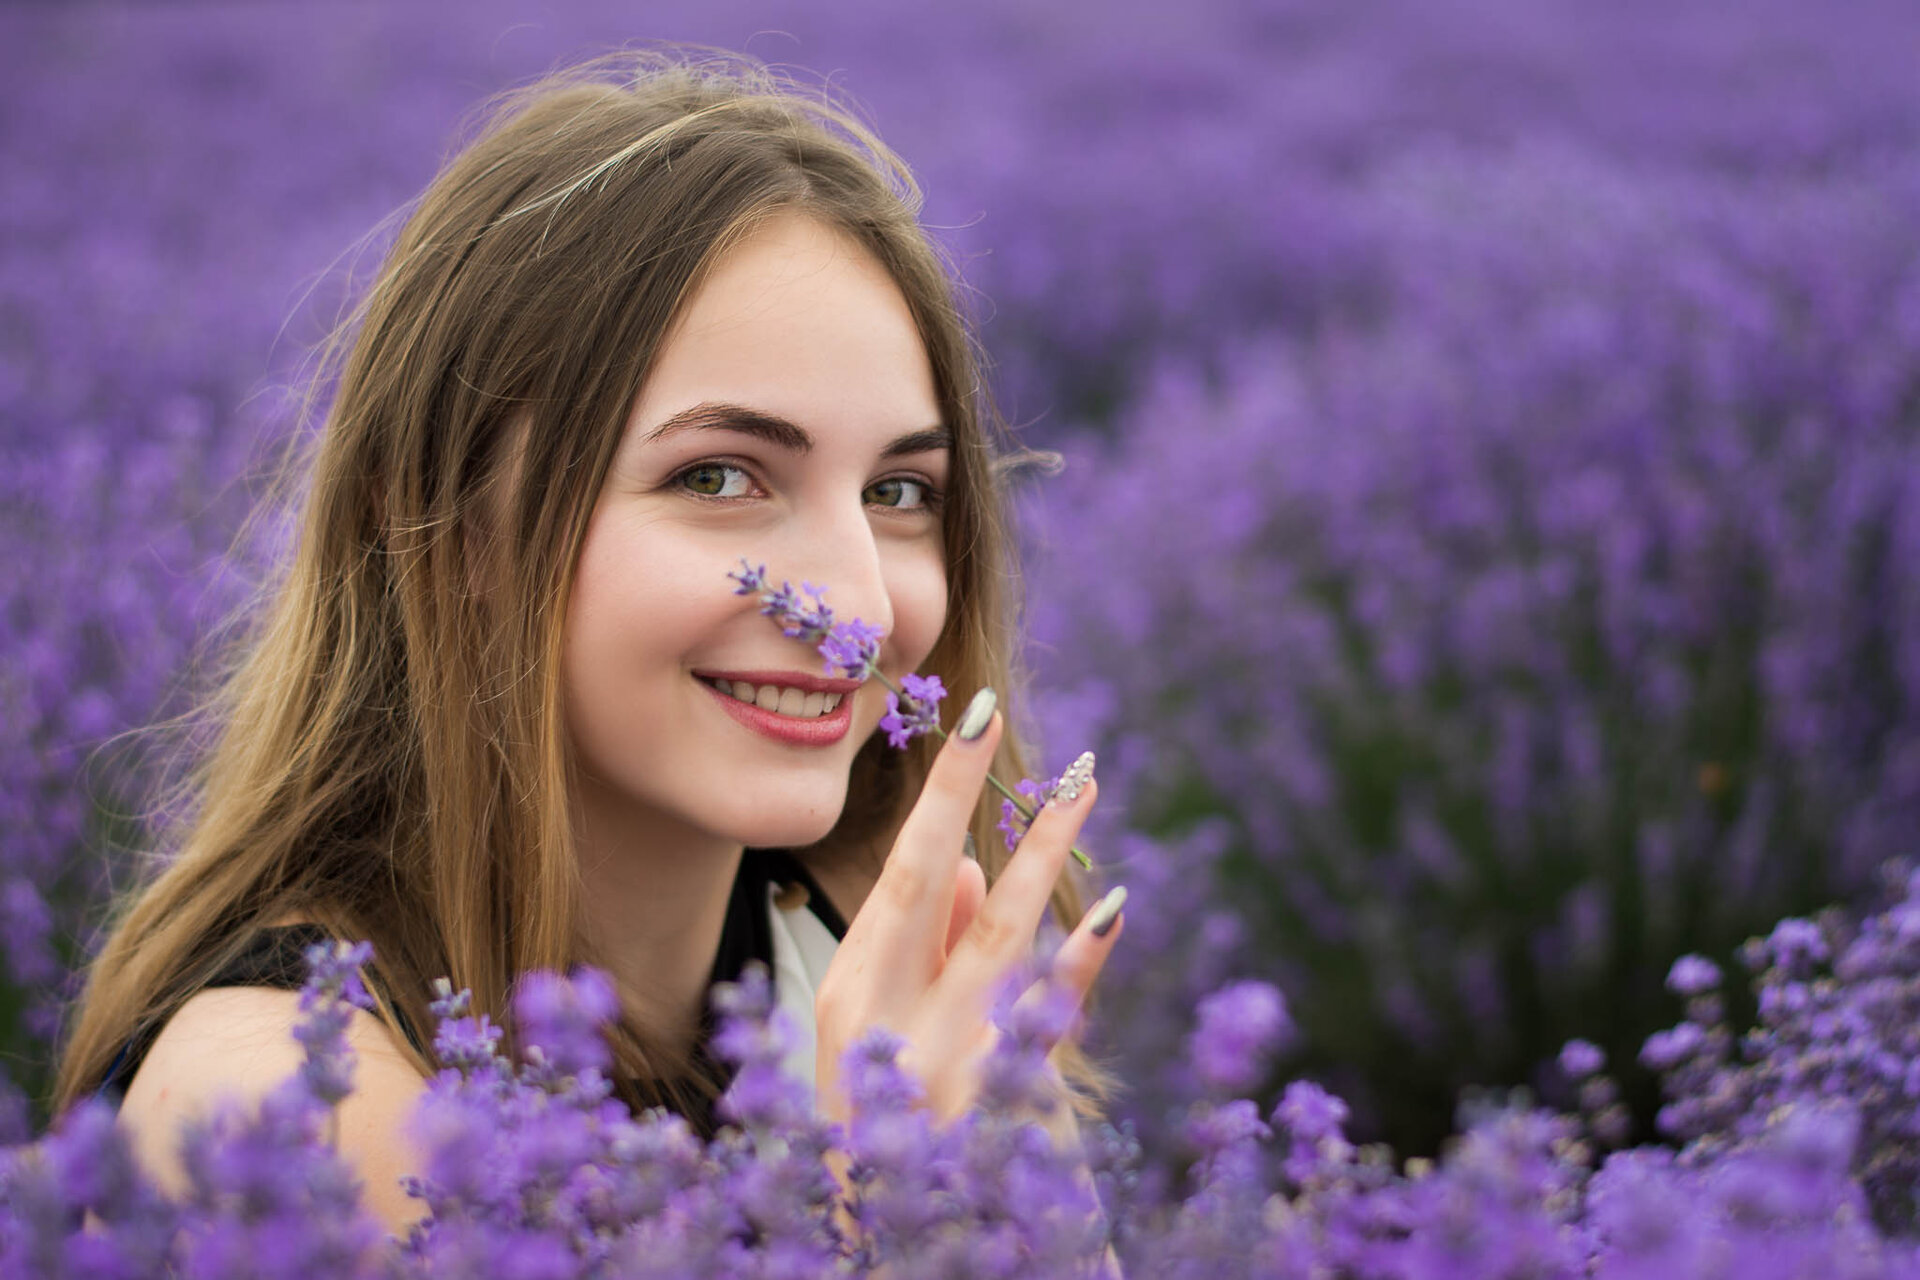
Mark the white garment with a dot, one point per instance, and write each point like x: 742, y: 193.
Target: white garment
x: 802, y: 949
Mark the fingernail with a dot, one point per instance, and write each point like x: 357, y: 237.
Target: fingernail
x: 967, y: 847
x: 1106, y: 911
x: 973, y: 721
x: 1075, y: 779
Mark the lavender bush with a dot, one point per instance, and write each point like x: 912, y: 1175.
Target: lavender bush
x: 1839, y: 1018
x: 1487, y: 655
x: 1794, y: 1150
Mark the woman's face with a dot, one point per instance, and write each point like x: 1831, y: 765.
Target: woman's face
x: 790, y: 419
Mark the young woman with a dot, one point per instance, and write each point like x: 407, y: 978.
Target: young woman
x: 506, y: 711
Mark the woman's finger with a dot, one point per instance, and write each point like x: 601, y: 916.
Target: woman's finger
x: 1078, y: 962
x: 1002, y: 932
x: 1081, y: 957
x: 969, y: 891
x: 908, y: 909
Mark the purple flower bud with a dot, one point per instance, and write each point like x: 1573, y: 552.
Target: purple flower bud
x: 1309, y: 1113
x: 467, y: 1040
x: 1665, y: 1050
x: 1239, y: 1026
x: 802, y: 615
x: 752, y: 579
x: 853, y: 648
x: 334, y: 972
x: 920, y: 712
x: 1794, y: 943
x: 563, y: 1017
x: 1580, y: 1059
x: 1693, y: 975
x: 459, y: 1041
x: 333, y: 988
x: 1214, y: 1129
x: 1013, y: 823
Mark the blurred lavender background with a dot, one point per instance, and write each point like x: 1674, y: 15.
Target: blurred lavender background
x: 1485, y: 560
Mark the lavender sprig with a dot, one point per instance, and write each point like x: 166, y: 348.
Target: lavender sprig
x: 914, y: 710
x: 852, y: 647
x: 334, y: 990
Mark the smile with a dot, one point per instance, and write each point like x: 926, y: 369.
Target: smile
x: 787, y: 701
x: 793, y: 709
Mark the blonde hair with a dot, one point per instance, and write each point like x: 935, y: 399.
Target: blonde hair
x: 390, y: 758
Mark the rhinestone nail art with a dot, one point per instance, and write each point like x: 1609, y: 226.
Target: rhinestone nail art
x: 1075, y: 779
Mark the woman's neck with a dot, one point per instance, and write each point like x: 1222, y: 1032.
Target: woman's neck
x: 846, y: 875
x: 655, y: 905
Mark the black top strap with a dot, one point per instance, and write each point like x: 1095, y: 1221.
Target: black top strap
x: 276, y: 958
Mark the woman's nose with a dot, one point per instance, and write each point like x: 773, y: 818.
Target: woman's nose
x: 842, y: 556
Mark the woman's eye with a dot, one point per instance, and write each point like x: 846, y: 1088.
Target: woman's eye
x: 716, y: 480
x: 898, y: 491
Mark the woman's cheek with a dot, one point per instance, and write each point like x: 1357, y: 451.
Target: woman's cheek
x: 924, y: 616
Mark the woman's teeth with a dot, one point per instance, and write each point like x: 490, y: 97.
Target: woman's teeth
x: 787, y: 702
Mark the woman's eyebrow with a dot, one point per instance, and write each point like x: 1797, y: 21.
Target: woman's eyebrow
x: 937, y: 440
x: 711, y: 415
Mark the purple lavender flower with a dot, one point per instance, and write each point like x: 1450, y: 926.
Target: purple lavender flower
x: 1838, y: 1006
x: 752, y: 579
x: 1309, y: 1112
x: 563, y: 1017
x: 1313, y: 1121
x: 271, y: 1194
x: 1581, y: 1058
x: 990, y: 1194
x: 462, y: 1041
x: 1239, y: 1027
x: 332, y: 991
x: 1665, y: 1050
x: 802, y: 614
x: 333, y: 973
x: 775, y: 1173
x: 1013, y: 823
x: 1693, y: 975
x: 754, y: 1034
x: 86, y: 1165
x: 919, y: 712
x: 1016, y: 1077
x: 1796, y: 945
x: 853, y: 648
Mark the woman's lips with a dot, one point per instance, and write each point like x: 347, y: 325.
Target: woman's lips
x: 817, y: 731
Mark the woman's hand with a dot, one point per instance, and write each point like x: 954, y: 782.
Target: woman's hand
x: 929, y: 949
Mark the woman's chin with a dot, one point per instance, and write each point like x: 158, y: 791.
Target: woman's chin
x: 788, y: 830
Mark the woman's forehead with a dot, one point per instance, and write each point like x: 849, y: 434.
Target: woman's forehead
x: 804, y: 325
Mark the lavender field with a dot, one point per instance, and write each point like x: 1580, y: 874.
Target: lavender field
x: 1485, y: 564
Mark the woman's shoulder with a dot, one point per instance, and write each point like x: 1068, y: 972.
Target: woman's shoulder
x: 235, y: 1045
x: 243, y: 1037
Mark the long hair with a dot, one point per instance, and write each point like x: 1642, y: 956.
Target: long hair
x: 390, y: 758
